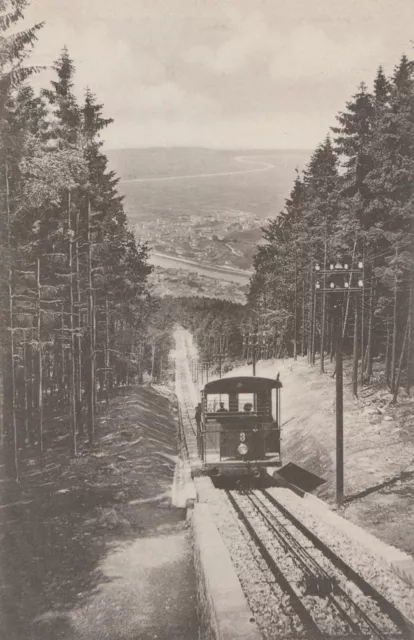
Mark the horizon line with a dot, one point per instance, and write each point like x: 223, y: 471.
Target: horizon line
x: 186, y: 146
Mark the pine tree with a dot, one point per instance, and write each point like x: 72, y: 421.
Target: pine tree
x: 353, y: 138
x: 66, y: 126
x: 321, y: 187
x: 14, y: 50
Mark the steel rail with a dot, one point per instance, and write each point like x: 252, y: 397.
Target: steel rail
x: 308, y: 622
x: 288, y: 541
x: 386, y: 607
x: 339, y: 591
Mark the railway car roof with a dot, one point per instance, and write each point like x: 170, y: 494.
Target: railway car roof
x: 242, y: 384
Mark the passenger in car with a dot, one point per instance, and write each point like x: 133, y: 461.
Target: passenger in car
x: 198, y: 415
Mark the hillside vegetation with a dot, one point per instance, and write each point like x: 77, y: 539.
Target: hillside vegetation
x: 77, y: 321
x: 353, y: 204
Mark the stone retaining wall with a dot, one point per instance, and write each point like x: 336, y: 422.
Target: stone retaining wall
x: 222, y: 607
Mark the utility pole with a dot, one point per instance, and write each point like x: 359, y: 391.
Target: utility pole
x: 219, y: 351
x: 257, y: 342
x: 263, y: 344
x: 339, y: 385
x: 252, y: 342
x: 245, y: 346
x: 337, y: 281
x: 205, y: 363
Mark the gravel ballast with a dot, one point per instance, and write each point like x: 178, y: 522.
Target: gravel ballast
x: 355, y: 555
x: 270, y: 606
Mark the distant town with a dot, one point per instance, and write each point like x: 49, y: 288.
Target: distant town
x: 226, y: 236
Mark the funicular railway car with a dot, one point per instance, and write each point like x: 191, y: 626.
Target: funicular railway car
x: 239, y: 430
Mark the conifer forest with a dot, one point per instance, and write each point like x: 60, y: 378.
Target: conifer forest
x: 74, y: 298
x: 77, y: 317
x: 352, y: 207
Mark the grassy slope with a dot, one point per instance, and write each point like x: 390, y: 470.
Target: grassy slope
x: 58, y: 527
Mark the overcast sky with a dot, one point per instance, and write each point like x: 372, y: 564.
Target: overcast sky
x: 223, y: 73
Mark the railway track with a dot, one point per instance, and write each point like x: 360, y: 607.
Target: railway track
x: 329, y: 599
x: 187, y: 407
x: 296, y: 585
x: 183, y: 377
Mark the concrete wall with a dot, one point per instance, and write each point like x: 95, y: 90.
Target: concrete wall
x: 223, y: 610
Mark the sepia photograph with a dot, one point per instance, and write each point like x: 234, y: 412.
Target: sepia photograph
x: 206, y: 320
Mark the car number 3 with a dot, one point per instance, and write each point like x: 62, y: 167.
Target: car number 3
x: 242, y: 436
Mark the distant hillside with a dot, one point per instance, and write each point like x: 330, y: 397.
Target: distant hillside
x: 204, y: 204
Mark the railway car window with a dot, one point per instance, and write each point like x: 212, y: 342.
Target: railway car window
x: 247, y: 398
x: 217, y: 401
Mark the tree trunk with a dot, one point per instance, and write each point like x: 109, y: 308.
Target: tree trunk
x: 10, y: 395
x: 90, y: 393
x: 398, y: 374
x: 94, y: 334
x: 369, y: 350
x: 40, y: 366
x: 9, y: 373
x: 410, y: 341
x: 310, y: 332
x: 152, y: 361
x: 78, y: 343
x: 62, y: 392
x: 387, y: 366
x: 107, y: 363
x: 394, y: 335
x: 323, y: 331
x: 295, y: 317
x: 71, y: 359
x: 314, y: 327
x: 363, y: 320
x: 323, y: 321
x: 303, y: 319
x: 29, y: 370
x: 26, y: 390
x: 355, y: 353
